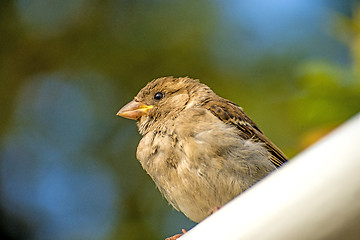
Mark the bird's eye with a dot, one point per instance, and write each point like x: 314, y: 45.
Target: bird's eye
x: 158, y: 95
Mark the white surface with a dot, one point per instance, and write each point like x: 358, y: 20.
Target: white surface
x: 314, y: 196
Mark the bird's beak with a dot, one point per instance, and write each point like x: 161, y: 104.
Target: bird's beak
x: 134, y: 110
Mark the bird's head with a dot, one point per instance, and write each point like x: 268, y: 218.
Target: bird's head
x: 162, y: 99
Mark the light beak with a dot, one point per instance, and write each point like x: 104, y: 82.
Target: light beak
x: 134, y: 110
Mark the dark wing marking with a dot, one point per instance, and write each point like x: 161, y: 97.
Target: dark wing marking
x: 232, y: 114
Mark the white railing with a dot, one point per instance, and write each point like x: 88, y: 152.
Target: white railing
x: 314, y: 196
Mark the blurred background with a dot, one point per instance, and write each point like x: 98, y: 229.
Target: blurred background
x: 68, y: 168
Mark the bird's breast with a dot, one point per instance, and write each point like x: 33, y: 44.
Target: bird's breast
x: 200, y: 163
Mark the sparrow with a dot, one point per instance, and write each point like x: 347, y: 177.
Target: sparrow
x: 200, y: 149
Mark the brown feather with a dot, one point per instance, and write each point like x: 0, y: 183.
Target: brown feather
x: 233, y: 115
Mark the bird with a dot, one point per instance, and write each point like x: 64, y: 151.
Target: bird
x: 200, y: 149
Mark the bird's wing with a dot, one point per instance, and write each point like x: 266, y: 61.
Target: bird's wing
x: 232, y: 114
